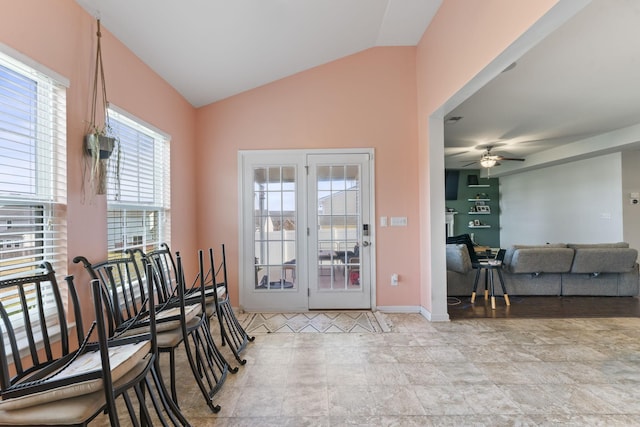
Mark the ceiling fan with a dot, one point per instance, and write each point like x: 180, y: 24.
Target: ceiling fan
x: 488, y: 160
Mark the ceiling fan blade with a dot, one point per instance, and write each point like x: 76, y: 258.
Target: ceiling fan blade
x: 510, y: 158
x: 454, y: 151
x: 455, y: 154
x: 469, y: 164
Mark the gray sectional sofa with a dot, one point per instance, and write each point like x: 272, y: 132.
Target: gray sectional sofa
x: 604, y: 269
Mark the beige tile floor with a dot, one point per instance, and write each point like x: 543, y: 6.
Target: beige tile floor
x: 483, y: 372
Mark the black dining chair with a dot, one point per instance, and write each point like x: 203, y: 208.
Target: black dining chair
x: 62, y: 378
x: 214, y: 280
x: 178, y: 323
x: 231, y: 330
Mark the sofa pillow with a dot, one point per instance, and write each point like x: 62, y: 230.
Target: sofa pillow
x: 541, y: 260
x: 604, y: 260
x: 458, y: 258
x: 598, y: 245
x: 508, y: 256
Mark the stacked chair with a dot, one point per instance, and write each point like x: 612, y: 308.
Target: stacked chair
x: 231, y: 330
x: 179, y: 321
x: 216, y: 294
x: 71, y: 380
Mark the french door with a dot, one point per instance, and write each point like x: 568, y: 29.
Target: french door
x: 305, y: 232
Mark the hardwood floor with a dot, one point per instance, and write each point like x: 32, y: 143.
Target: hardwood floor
x: 550, y: 307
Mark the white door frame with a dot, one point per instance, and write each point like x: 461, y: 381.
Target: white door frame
x: 246, y: 254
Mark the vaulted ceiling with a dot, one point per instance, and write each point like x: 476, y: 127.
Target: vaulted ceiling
x: 212, y: 49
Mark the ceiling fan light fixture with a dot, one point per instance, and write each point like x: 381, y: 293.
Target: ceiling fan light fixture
x: 487, y: 161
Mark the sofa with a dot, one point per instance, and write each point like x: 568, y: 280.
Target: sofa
x: 601, y: 269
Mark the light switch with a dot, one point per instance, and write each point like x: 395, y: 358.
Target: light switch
x: 383, y: 221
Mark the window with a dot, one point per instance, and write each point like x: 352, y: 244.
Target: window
x: 33, y: 174
x: 32, y: 168
x: 138, y: 202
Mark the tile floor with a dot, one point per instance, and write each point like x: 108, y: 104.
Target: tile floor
x: 481, y: 372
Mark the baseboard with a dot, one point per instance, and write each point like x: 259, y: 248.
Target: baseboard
x: 399, y: 309
x: 431, y: 318
x: 413, y: 309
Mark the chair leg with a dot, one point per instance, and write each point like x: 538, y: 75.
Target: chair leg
x: 208, y: 365
x: 129, y: 406
x: 232, y: 331
x: 173, y: 411
x: 172, y: 369
x: 155, y: 406
x: 223, y: 337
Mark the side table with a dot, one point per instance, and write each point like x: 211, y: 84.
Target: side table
x: 489, y: 267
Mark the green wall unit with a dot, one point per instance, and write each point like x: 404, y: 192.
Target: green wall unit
x: 477, y: 203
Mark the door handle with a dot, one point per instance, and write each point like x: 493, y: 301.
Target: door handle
x: 365, y: 243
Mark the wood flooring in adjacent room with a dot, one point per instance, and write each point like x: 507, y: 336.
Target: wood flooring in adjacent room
x: 550, y: 307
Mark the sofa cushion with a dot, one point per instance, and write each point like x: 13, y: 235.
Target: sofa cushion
x: 604, y: 260
x: 509, y: 252
x: 458, y: 258
x: 541, y: 260
x: 597, y: 245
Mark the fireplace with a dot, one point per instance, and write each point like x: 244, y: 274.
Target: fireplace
x: 449, y: 223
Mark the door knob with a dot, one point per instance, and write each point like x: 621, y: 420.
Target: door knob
x: 365, y: 243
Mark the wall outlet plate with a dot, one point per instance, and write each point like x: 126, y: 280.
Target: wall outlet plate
x: 394, y: 279
x: 398, y: 221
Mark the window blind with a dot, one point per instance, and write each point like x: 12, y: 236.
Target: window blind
x: 33, y: 176
x: 32, y: 170
x: 139, y: 197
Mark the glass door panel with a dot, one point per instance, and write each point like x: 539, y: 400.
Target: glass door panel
x: 271, y: 274
x: 275, y: 228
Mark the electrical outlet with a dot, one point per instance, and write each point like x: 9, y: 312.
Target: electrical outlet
x: 394, y: 279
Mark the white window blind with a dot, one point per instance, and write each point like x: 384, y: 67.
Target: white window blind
x: 139, y: 200
x: 32, y: 170
x: 33, y: 177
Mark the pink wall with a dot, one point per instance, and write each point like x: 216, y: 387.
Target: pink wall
x: 364, y: 100
x: 462, y: 39
x: 61, y: 36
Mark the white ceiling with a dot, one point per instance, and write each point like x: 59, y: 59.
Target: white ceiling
x: 580, y: 81
x: 209, y: 50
